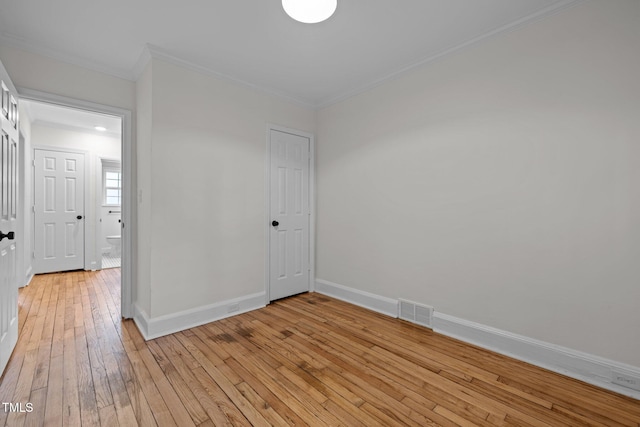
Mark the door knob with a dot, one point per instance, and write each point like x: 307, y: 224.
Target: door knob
x: 10, y: 235
x: 79, y: 217
x: 275, y: 223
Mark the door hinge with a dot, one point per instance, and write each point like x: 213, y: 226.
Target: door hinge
x: 33, y: 208
x: 33, y: 162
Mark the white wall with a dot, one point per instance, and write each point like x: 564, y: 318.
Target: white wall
x: 206, y: 190
x: 96, y: 146
x: 499, y: 184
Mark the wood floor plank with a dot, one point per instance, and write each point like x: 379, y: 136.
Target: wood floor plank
x: 217, y: 379
x: 70, y: 396
x: 35, y: 413
x: 184, y: 391
x: 86, y: 386
x: 54, y: 407
x: 108, y: 416
x: 44, y: 350
x: 305, y: 360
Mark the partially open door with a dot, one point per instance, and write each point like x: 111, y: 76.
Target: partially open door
x: 289, y: 206
x: 9, y: 233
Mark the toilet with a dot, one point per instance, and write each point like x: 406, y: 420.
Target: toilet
x: 114, y: 241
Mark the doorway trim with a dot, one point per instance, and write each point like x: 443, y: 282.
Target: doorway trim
x: 128, y: 205
x: 312, y: 206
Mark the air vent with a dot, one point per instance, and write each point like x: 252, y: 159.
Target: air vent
x: 407, y: 311
x: 415, y: 313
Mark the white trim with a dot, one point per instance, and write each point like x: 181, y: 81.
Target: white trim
x: 128, y: 171
x: 380, y: 304
x: 28, y: 277
x: 511, y: 26
x: 151, y: 328
x: 151, y: 51
x: 141, y: 63
x: 312, y: 204
x: 582, y: 366
x: 36, y: 48
x: 141, y: 319
x: 586, y: 367
x: 23, y: 206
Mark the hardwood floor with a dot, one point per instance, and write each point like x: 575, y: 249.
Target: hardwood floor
x: 306, y: 360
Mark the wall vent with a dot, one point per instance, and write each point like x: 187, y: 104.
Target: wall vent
x: 416, y: 313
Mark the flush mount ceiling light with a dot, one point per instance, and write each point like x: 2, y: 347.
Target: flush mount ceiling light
x: 100, y: 128
x: 310, y: 11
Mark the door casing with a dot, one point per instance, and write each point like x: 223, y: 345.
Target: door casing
x: 312, y: 206
x: 128, y: 172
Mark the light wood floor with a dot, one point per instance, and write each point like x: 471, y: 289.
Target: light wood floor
x: 306, y: 360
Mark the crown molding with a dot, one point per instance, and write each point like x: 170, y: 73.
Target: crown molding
x: 150, y: 51
x: 511, y: 26
x: 33, y: 47
x: 141, y: 63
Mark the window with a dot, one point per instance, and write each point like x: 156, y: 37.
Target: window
x: 112, y: 183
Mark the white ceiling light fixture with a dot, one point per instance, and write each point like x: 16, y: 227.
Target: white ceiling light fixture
x: 100, y: 128
x: 310, y: 11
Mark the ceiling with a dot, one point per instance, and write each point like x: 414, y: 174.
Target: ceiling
x: 255, y: 42
x: 71, y: 118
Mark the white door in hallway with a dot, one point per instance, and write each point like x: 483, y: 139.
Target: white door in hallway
x: 58, y: 211
x: 9, y: 240
x: 289, y: 207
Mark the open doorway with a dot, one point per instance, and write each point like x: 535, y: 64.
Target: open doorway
x: 78, y: 152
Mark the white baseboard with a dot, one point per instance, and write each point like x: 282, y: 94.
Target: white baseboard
x: 28, y: 277
x: 368, y: 300
x: 572, y: 363
x: 151, y: 328
x: 141, y: 319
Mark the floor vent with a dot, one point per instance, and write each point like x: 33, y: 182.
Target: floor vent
x: 416, y: 313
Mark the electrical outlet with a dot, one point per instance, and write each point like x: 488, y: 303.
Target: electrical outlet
x: 234, y: 307
x: 626, y: 380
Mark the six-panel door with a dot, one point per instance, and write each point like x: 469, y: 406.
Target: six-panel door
x: 9, y: 164
x: 59, y: 211
x: 289, y: 207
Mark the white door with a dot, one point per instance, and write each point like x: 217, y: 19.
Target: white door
x: 289, y: 208
x: 59, y: 211
x: 8, y: 218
